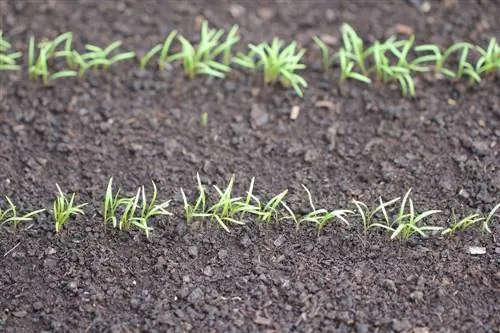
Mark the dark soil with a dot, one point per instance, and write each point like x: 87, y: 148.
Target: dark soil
x: 138, y: 126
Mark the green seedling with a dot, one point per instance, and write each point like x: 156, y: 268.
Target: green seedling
x: 8, y: 61
x: 439, y: 58
x: 466, y: 68
x: 10, y: 215
x: 489, y: 218
x: 38, y: 65
x: 97, y: 57
x: 270, y: 210
x: 149, y: 211
x: 278, y: 63
x: 489, y: 61
x: 203, y: 59
x: 162, y: 49
x: 462, y: 224
x: 226, y: 209
x: 346, y: 68
x: 320, y: 217
x: 367, y: 216
x: 406, y: 224
x: 204, y: 119
x: 326, y: 57
x: 112, y: 203
x: 137, y: 211
x: 200, y: 207
x: 353, y: 48
x: 64, y: 208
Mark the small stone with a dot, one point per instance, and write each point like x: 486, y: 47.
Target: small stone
x: 195, y: 295
x: 401, y: 325
x: 20, y: 314
x: 263, y: 321
x: 236, y: 10
x: 463, y: 193
x: 37, y: 306
x: 222, y: 254
x: 193, y: 251
x: 417, y: 296
x: 265, y: 13
x: 294, y: 112
x: 50, y: 251
x: 389, y: 285
x: 259, y: 116
x: 208, y: 271
x: 361, y: 328
x: 420, y: 330
x: 279, y: 241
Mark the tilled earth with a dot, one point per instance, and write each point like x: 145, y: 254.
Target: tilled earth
x: 349, y: 142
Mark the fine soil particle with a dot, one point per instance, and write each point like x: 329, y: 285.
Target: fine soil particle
x: 348, y: 142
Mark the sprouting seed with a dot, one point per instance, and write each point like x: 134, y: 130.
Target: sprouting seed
x: 64, y: 208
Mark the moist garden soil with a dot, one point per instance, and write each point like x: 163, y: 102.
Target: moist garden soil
x: 349, y: 142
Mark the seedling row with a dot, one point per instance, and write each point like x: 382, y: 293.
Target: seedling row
x: 391, y: 61
x: 398, y: 217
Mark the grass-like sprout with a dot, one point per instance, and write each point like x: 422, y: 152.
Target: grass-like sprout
x: 203, y: 59
x: 226, y: 209
x: 347, y: 68
x: 270, y: 209
x: 353, y: 47
x: 278, y: 63
x: 405, y: 224
x: 96, y: 57
x: 112, y: 202
x: 38, y: 65
x: 136, y: 210
x: 439, y: 58
x: 466, y: 68
x: 489, y: 218
x: 326, y: 57
x: 10, y: 215
x: 322, y: 216
x: 8, y: 61
x: 463, y: 223
x: 368, y: 216
x: 489, y: 61
x: 200, y: 206
x: 64, y: 208
x: 163, y: 49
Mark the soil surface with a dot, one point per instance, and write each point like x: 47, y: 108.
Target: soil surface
x: 349, y: 142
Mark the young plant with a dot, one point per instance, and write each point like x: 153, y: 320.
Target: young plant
x: 326, y: 57
x: 489, y: 61
x: 278, y: 63
x: 489, y: 218
x: 271, y: 211
x: 321, y: 216
x: 96, y: 57
x: 406, y: 224
x: 466, y: 68
x: 64, y: 208
x: 163, y: 49
x: 202, y: 59
x: 227, y: 207
x: 462, y: 224
x: 38, y: 65
x: 346, y: 68
x: 438, y: 57
x: 10, y: 215
x: 200, y: 206
x: 8, y: 61
x: 353, y: 48
x: 112, y: 203
x: 368, y: 216
x: 137, y: 211
x: 149, y: 211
